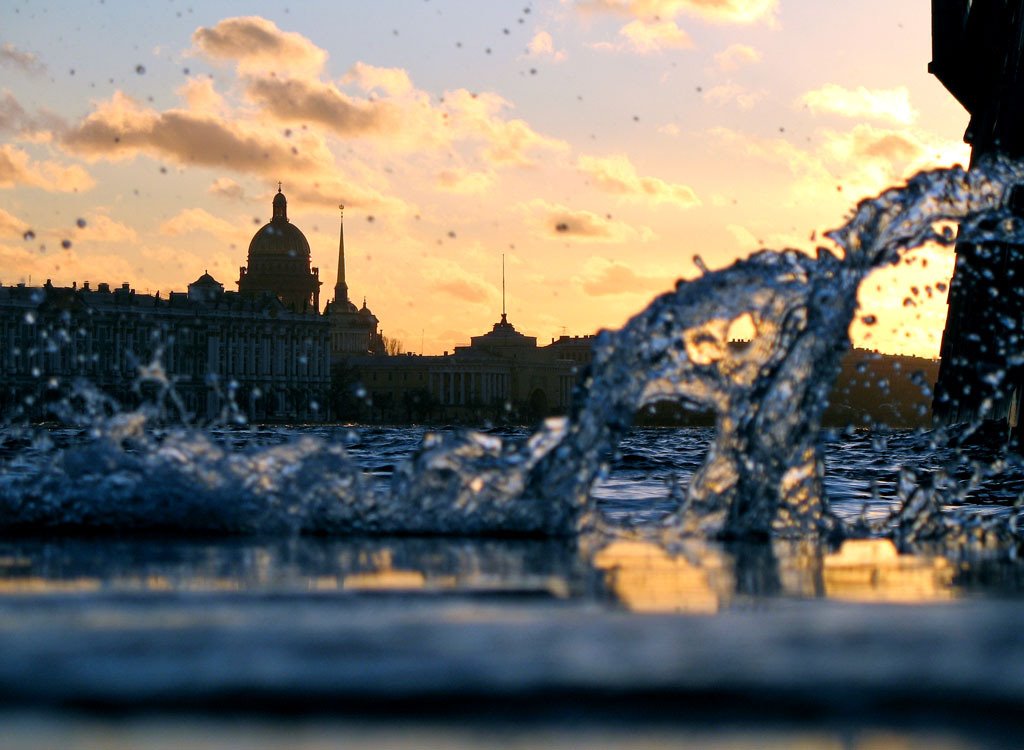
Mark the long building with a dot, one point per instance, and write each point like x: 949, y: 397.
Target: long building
x: 215, y: 348
x: 502, y: 375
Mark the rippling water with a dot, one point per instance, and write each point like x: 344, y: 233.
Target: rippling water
x: 357, y: 624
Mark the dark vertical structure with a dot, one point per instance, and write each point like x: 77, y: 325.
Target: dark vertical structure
x: 977, y: 54
x: 341, y: 288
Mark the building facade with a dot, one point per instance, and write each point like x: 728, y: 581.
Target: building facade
x: 215, y: 349
x: 502, y: 375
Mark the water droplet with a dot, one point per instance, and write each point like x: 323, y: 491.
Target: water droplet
x: 80, y: 223
x: 140, y: 69
x: 30, y: 318
x: 66, y: 244
x: 29, y: 235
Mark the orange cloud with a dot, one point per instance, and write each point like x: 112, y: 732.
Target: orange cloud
x: 200, y: 220
x: 605, y: 277
x: 892, y: 105
x: 725, y: 11
x: 11, y: 225
x: 554, y: 221
x: 451, y: 279
x: 255, y: 43
x: 292, y: 100
x: 225, y: 187
x: 328, y: 190
x: 16, y: 168
x: 120, y: 129
x: 101, y: 228
x: 391, y: 81
x: 65, y: 266
x: 616, y: 174
x: 200, y: 95
x: 862, y: 161
x: 464, y: 181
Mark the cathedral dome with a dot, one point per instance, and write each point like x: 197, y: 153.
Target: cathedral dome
x: 279, y: 237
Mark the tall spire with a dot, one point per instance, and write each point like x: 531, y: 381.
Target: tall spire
x: 341, y: 288
x: 503, y: 316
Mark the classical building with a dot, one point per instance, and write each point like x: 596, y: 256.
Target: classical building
x: 215, y: 347
x: 502, y: 375
x: 265, y: 348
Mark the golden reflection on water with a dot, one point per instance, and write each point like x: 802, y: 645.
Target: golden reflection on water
x: 692, y: 577
x: 872, y: 570
x: 705, y: 578
x: 646, y: 578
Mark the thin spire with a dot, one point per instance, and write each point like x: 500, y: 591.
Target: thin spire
x: 503, y: 288
x: 341, y: 288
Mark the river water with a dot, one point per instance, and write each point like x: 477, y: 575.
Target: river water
x: 611, y: 638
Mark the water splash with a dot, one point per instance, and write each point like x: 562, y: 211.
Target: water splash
x: 762, y: 475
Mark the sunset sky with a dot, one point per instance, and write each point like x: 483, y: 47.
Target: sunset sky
x: 598, y: 144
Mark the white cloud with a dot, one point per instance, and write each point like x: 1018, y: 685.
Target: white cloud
x: 723, y: 11
x: 654, y: 36
x: 734, y: 93
x: 543, y: 45
x: 737, y: 56
x: 891, y: 105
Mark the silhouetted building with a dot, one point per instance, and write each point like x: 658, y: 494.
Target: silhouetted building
x: 502, y: 375
x: 279, y: 262
x: 353, y: 330
x: 212, y: 345
x: 978, y: 55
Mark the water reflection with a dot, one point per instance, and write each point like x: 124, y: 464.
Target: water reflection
x: 872, y: 570
x: 410, y: 565
x: 695, y: 577
x: 646, y: 578
x: 700, y: 577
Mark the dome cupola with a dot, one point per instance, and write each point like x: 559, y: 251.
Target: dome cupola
x: 279, y: 262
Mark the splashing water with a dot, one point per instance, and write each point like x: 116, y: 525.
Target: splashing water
x: 762, y: 475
